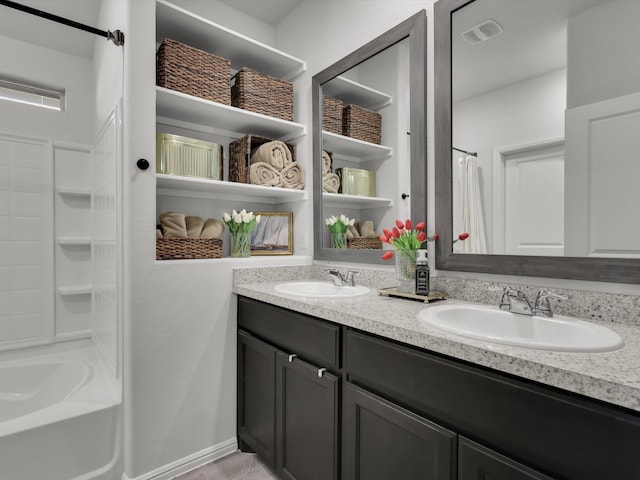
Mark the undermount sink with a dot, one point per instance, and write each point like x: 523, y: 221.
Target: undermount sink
x: 318, y: 289
x: 559, y: 333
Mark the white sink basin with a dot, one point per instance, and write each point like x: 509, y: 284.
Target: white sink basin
x: 564, y: 334
x: 318, y: 289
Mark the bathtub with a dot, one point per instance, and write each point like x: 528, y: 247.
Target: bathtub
x: 59, y: 410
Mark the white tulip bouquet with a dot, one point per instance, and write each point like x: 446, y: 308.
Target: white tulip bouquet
x: 338, y: 228
x: 240, y: 224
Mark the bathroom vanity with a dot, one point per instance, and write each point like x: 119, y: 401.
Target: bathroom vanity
x: 359, y: 389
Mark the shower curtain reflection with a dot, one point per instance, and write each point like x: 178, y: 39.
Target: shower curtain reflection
x: 470, y: 211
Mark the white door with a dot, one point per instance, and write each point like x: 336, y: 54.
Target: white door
x: 603, y: 175
x: 533, y: 202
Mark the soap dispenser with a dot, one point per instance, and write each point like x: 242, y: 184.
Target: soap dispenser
x: 422, y: 273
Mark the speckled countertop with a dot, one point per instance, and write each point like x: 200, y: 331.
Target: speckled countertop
x: 613, y: 377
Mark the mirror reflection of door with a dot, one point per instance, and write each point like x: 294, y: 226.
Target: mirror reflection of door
x: 550, y: 70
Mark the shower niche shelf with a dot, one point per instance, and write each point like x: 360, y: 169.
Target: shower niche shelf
x: 74, y: 192
x: 74, y: 241
x: 74, y: 290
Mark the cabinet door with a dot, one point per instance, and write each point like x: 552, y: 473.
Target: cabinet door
x: 307, y: 421
x: 476, y: 462
x: 256, y: 396
x: 384, y: 441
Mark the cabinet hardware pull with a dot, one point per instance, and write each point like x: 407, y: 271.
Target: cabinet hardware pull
x: 291, y: 357
x: 321, y: 371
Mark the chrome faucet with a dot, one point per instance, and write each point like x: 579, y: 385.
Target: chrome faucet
x: 341, y: 280
x: 515, y: 301
x: 542, y: 305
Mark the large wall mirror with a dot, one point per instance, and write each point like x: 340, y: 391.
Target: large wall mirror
x: 537, y: 144
x: 386, y: 77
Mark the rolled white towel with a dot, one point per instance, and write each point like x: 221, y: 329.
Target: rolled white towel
x: 262, y: 173
x: 293, y: 176
x: 326, y: 163
x: 331, y: 183
x: 275, y: 153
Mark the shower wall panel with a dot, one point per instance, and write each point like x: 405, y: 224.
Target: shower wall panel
x: 26, y: 242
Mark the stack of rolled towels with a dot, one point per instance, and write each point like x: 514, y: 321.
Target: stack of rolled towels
x: 272, y: 165
x: 179, y: 225
x: 363, y: 229
x: 330, y: 181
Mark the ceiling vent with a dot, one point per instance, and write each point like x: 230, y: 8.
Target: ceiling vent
x: 481, y: 32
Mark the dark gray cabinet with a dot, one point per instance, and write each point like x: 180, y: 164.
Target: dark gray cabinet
x: 307, y: 420
x: 256, y: 390
x: 288, y: 402
x: 383, y: 409
x: 383, y: 441
x: 476, y: 462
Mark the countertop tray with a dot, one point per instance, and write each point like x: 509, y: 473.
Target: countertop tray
x: 431, y: 297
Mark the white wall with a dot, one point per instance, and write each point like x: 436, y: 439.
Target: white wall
x: 602, y: 43
x: 33, y: 63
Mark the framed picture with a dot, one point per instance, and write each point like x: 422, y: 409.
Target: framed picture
x: 273, y: 235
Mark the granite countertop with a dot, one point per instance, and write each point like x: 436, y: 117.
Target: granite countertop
x: 613, y: 377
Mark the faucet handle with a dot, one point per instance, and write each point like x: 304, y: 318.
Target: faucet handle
x: 505, y: 304
x: 350, y: 278
x: 542, y: 305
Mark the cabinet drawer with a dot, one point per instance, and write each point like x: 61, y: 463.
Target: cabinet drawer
x: 310, y: 338
x: 476, y: 461
x: 566, y: 435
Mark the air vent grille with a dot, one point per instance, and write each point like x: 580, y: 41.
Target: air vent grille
x: 481, y: 32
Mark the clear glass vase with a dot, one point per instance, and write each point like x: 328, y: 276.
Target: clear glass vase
x: 240, y: 244
x: 406, y: 270
x: 338, y: 240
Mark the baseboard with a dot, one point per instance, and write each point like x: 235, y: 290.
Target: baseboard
x: 190, y: 462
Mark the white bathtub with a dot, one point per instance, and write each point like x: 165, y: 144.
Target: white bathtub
x: 58, y: 415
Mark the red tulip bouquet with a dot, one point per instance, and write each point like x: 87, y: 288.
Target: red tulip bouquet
x: 407, y: 240
x: 404, y: 238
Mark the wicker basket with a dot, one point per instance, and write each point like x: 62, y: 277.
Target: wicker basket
x: 332, y: 115
x: 194, y: 72
x: 240, y: 152
x: 260, y: 93
x: 368, y: 243
x: 187, y: 248
x: 362, y: 124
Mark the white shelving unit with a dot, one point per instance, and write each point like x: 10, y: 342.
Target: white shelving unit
x: 355, y: 201
x: 174, y: 185
x: 173, y: 107
x: 351, y: 92
x: 353, y: 150
x: 186, y: 27
x: 176, y: 110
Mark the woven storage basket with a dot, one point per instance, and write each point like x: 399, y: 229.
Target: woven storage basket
x: 194, y: 72
x: 369, y: 243
x: 260, y: 93
x: 240, y: 152
x: 362, y: 124
x: 332, y: 115
x: 187, y: 248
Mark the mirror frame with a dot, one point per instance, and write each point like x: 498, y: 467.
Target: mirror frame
x: 619, y: 270
x: 414, y: 28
